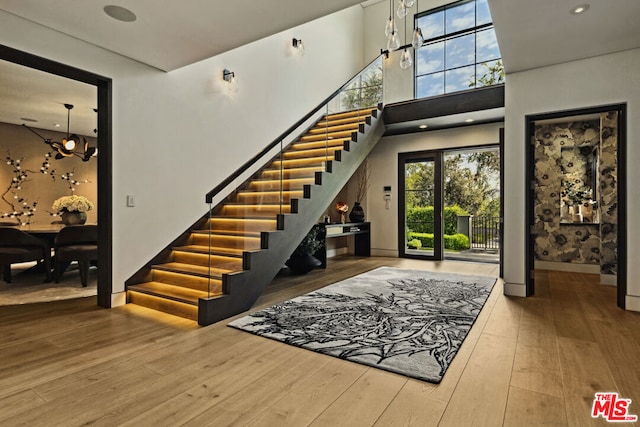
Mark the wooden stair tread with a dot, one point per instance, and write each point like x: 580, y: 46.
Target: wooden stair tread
x: 306, y: 145
x: 352, y: 113
x: 198, y: 270
x: 216, y: 251
x: 334, y: 122
x: 172, y: 292
x: 240, y: 234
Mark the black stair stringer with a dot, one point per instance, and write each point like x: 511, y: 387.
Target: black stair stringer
x: 243, y: 288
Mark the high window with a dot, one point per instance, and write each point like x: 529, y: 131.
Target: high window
x: 460, y: 50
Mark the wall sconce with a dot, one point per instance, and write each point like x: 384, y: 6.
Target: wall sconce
x: 298, y: 46
x: 228, y: 76
x: 385, y: 53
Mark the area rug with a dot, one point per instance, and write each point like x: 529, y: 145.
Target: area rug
x: 409, y: 322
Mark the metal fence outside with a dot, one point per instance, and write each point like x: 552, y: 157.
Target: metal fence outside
x: 485, y: 232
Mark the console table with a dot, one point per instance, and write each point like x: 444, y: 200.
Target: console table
x: 360, y: 230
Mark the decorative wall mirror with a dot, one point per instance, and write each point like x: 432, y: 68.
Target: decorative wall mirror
x: 579, y: 186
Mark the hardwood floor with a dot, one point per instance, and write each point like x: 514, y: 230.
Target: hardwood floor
x: 530, y: 361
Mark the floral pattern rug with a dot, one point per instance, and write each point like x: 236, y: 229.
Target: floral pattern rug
x: 409, y: 322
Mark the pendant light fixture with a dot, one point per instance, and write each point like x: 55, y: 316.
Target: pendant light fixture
x: 405, y: 59
x: 418, y: 38
x: 391, y: 31
x: 67, y: 147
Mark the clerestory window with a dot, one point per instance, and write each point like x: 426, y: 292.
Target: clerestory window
x: 460, y: 51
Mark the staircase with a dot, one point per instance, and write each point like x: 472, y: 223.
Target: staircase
x: 221, y: 265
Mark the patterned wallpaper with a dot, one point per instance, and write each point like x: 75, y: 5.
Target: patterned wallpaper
x: 583, y: 243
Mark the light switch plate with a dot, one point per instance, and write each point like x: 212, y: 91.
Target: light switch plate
x: 131, y: 200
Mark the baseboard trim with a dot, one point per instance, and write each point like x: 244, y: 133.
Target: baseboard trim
x: 515, y: 289
x: 632, y: 303
x: 118, y: 299
x: 384, y: 252
x: 567, y: 266
x: 609, y: 279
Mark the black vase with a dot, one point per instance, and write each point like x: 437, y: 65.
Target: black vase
x: 303, y: 263
x: 357, y: 213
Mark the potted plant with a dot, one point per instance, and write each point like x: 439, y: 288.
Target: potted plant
x: 72, y: 209
x: 303, y: 260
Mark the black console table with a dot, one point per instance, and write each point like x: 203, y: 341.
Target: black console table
x: 360, y: 230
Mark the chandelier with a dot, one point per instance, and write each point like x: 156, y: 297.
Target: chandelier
x: 393, y: 39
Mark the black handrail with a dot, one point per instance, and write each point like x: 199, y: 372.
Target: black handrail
x: 211, y: 194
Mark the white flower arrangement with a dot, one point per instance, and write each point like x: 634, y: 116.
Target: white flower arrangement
x: 72, y: 203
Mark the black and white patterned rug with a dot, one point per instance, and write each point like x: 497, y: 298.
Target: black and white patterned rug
x: 409, y: 322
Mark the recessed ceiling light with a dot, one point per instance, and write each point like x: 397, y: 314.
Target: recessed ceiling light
x: 27, y: 119
x: 423, y: 126
x: 581, y: 8
x: 120, y: 13
x: 469, y: 120
x: 56, y: 125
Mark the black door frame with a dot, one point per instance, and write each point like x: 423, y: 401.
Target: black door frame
x: 621, y: 189
x: 438, y: 240
x: 105, y: 186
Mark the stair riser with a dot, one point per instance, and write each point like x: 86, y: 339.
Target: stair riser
x: 167, y: 306
x: 338, y: 122
x: 265, y: 211
x: 297, y: 185
x: 249, y: 244
x: 321, y: 129
x: 308, y: 173
x: 351, y: 114
x: 187, y: 281
x: 318, y: 152
x: 240, y: 225
x: 324, y: 137
x: 227, y: 263
x: 318, y: 162
x: 339, y: 142
x: 270, y: 198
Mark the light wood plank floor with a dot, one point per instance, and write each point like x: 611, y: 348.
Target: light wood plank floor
x: 533, y: 361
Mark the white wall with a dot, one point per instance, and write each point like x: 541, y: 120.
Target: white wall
x: 383, y: 161
x: 608, y: 79
x: 398, y: 82
x: 176, y: 135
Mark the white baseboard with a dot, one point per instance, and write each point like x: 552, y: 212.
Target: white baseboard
x: 609, y: 279
x: 384, y: 252
x: 632, y: 303
x: 567, y: 266
x: 118, y: 299
x: 515, y: 289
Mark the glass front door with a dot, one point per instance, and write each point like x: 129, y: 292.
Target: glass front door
x: 420, y: 234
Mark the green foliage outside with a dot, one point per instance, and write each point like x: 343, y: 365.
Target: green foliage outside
x: 365, y: 93
x: 420, y: 219
x: 494, y: 74
x: 456, y: 242
x: 414, y: 243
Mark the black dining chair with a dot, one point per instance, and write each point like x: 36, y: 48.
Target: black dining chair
x: 76, y: 243
x: 17, y: 246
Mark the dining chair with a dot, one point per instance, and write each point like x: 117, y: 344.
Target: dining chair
x: 17, y: 246
x: 76, y: 243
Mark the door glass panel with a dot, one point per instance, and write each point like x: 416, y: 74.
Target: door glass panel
x: 471, y: 196
x: 419, y: 207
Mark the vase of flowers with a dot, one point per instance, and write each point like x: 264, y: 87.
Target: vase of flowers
x: 576, y: 194
x: 342, y: 209
x: 72, y: 209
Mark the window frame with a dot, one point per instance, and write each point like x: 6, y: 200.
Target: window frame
x: 443, y: 38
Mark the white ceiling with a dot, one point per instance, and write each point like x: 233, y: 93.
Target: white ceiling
x: 171, y: 34
x: 534, y: 34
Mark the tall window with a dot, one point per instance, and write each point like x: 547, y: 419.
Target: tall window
x: 460, y: 50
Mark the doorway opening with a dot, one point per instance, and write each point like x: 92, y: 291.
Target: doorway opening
x: 450, y: 204
x: 104, y: 191
x: 576, y: 195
